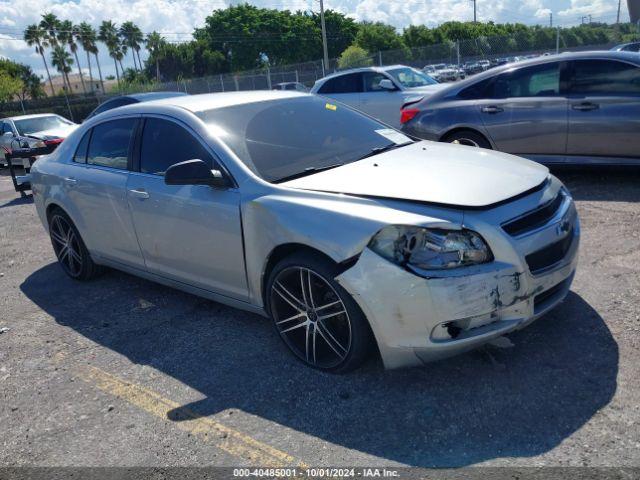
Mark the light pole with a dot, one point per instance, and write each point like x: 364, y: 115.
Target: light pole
x: 324, y: 36
x: 475, y: 17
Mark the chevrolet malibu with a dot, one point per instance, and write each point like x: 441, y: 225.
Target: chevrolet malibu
x: 346, y: 233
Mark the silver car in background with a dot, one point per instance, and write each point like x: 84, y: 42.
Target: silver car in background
x: 378, y: 91
x: 345, y: 232
x: 568, y: 108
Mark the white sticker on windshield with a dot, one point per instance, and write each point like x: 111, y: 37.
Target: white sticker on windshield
x: 393, y: 135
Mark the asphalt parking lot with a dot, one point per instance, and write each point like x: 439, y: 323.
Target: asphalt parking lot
x: 121, y: 371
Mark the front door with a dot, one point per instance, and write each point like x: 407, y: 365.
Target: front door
x: 188, y: 233
x: 604, y: 109
x: 526, y: 113
x: 381, y: 103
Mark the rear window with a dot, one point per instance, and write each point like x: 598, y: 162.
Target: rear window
x: 27, y: 126
x: 280, y: 138
x: 110, y: 142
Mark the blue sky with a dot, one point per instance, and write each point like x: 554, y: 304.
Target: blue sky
x: 178, y: 17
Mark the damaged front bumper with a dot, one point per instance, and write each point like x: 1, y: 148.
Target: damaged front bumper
x: 417, y: 317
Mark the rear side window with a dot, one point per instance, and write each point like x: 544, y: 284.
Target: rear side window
x: 535, y: 81
x: 110, y: 143
x: 476, y: 91
x: 349, y: 83
x: 166, y: 143
x: 81, y: 152
x: 604, y: 77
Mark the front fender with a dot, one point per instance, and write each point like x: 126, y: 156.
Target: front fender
x: 340, y: 226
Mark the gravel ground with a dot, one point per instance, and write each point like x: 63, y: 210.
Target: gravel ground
x: 121, y: 371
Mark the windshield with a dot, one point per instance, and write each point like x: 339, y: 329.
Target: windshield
x: 411, y: 78
x: 279, y: 139
x: 27, y: 126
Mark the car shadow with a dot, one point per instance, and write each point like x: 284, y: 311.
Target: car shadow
x: 593, y: 183
x: 21, y: 200
x: 492, y: 403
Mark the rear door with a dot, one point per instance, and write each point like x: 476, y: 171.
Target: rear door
x: 345, y: 88
x: 604, y: 109
x: 96, y: 181
x: 189, y: 233
x: 526, y: 112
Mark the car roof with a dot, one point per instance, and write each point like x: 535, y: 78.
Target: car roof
x: 33, y: 115
x: 211, y: 101
x: 148, y: 96
x: 363, y: 69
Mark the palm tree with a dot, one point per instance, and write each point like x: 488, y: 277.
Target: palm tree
x: 108, y: 34
x: 154, y: 44
x: 34, y: 36
x: 50, y: 24
x: 86, y: 35
x: 67, y: 34
x: 61, y: 59
x: 121, y: 51
x: 132, y: 37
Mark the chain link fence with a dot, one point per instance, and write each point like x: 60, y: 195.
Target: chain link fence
x: 458, y: 53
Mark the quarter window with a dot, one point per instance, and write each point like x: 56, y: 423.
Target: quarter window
x: 537, y: 81
x: 110, y: 141
x: 166, y: 143
x: 349, y: 83
x: 81, y: 152
x: 604, y: 77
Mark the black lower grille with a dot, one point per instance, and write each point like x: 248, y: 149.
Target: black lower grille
x: 534, y: 219
x: 541, y: 298
x: 550, y: 255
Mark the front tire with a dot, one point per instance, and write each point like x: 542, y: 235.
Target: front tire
x: 70, y: 250
x: 315, y: 317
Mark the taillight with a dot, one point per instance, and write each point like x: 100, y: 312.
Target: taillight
x: 407, y: 114
x: 54, y: 141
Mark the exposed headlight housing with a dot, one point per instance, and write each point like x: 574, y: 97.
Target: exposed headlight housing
x: 430, y: 248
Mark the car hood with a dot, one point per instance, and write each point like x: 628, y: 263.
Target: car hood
x: 53, y: 133
x: 437, y: 173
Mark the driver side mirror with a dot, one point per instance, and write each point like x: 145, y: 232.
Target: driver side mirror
x: 195, y: 172
x: 387, y: 84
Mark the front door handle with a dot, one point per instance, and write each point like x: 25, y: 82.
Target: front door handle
x: 142, y: 194
x: 492, y: 109
x: 585, y: 106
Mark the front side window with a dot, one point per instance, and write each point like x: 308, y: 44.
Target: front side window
x: 166, y: 143
x: 27, y: 126
x: 81, y: 152
x: 372, y: 82
x: 110, y: 141
x: 349, y: 83
x: 603, y: 77
x: 278, y: 139
x: 535, y: 81
x: 411, y: 78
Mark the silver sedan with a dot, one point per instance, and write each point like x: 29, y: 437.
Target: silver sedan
x: 346, y: 233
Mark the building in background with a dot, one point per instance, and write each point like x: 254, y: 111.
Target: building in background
x: 634, y: 10
x: 76, y: 84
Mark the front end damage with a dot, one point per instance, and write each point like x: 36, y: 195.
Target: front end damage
x: 420, y: 316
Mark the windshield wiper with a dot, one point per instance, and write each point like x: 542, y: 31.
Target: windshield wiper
x: 308, y: 171
x: 386, y: 148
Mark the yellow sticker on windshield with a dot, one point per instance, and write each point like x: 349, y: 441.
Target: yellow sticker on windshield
x: 329, y: 106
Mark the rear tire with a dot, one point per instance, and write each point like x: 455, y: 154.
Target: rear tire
x: 469, y: 138
x: 70, y: 250
x: 315, y: 317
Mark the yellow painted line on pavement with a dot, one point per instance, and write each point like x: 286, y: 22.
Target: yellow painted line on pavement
x: 236, y: 443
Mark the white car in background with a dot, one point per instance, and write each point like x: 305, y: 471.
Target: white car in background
x: 33, y: 131
x: 378, y: 91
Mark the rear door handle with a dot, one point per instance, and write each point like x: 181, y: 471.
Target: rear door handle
x: 492, y: 109
x: 142, y: 194
x: 585, y: 106
x: 70, y: 181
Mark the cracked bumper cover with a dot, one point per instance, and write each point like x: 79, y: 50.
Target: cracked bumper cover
x: 409, y: 313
